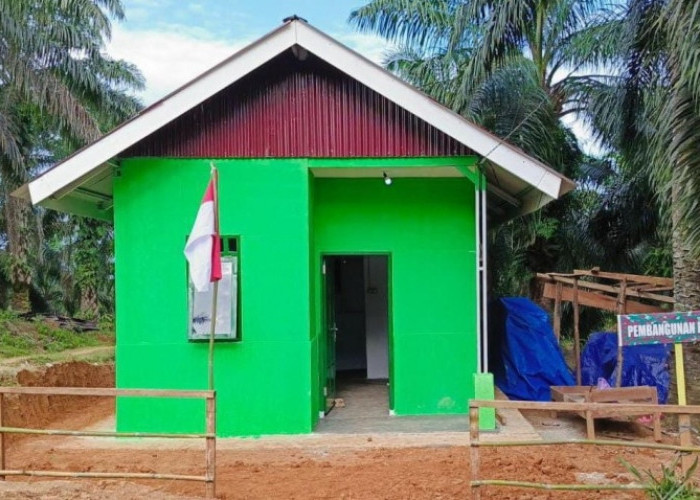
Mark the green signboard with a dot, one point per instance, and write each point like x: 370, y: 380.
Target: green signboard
x: 658, y: 328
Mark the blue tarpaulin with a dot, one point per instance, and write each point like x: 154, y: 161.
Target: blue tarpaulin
x: 641, y: 364
x: 524, y: 355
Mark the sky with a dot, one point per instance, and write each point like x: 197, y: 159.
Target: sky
x: 172, y: 41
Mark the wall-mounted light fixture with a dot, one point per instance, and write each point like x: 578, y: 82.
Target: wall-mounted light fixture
x: 387, y: 179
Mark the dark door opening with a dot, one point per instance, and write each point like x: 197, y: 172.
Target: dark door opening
x: 357, y: 324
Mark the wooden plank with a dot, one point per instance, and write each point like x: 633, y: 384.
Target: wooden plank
x: 590, y: 425
x: 589, y: 442
x: 101, y: 475
x: 656, y: 418
x: 108, y: 392
x: 2, y: 437
x: 637, y: 278
x: 592, y: 285
x: 615, y: 408
x: 562, y: 487
x: 599, y: 301
x: 474, y: 452
x: 501, y: 418
x: 211, y: 448
x: 684, y: 428
x: 577, y: 333
x: 623, y: 394
x: 648, y: 288
x: 59, y: 432
x: 621, y: 309
x: 685, y: 439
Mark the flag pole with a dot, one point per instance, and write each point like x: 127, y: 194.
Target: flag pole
x: 215, y: 178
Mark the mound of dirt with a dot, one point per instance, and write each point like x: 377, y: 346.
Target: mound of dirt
x: 72, y: 374
x: 42, y: 411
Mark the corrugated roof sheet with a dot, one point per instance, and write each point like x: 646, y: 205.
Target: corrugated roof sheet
x: 294, y: 108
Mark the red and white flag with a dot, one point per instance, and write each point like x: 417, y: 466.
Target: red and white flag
x: 203, y: 248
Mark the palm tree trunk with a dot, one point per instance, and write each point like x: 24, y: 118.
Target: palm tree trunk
x: 89, y: 306
x: 686, y: 268
x: 17, y: 219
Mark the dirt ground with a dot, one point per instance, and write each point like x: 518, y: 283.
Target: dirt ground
x: 330, y: 470
x: 388, y: 473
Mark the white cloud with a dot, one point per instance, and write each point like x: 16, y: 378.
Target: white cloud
x: 170, y: 56
x: 169, y: 59
x: 373, y: 47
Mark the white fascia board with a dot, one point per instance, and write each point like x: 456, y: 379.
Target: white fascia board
x: 161, y: 113
x: 381, y: 81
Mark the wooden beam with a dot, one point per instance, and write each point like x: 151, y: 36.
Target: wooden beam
x: 61, y: 432
x: 609, y: 408
x: 474, y: 451
x: 597, y: 442
x: 591, y: 285
x: 599, y: 301
x: 561, y: 487
x: 109, y: 392
x: 577, y: 333
x: 210, y: 454
x: 655, y: 288
x: 557, y: 312
x: 621, y: 309
x: 2, y: 438
x: 101, y: 475
x: 636, y: 278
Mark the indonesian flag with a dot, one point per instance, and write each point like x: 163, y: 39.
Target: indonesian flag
x: 203, y: 248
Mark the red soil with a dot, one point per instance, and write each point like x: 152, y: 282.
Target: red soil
x: 306, y: 472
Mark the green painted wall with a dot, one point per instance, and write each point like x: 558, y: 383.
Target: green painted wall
x: 272, y: 381
x: 427, y: 227
x: 263, y: 382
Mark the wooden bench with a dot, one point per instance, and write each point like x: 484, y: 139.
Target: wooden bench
x: 590, y: 394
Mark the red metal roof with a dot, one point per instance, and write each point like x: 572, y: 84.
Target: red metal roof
x: 293, y: 108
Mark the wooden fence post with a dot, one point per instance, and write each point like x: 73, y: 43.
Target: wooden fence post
x: 474, y: 449
x: 211, y: 447
x: 2, y: 436
x: 577, y: 334
x: 621, y: 309
x: 557, y: 311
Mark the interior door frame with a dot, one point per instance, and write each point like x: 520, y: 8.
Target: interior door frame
x: 323, y: 361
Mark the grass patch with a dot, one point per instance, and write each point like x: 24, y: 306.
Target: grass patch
x: 40, y: 337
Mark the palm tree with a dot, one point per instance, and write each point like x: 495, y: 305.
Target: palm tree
x: 518, y: 67
x: 470, y: 41
x: 55, y: 82
x: 501, y: 64
x: 648, y: 108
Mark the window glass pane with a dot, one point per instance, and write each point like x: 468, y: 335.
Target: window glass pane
x: 226, y: 308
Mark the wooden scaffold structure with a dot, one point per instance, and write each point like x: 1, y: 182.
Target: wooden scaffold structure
x: 616, y: 292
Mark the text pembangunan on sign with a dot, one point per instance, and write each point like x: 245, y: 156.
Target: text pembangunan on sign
x: 659, y: 328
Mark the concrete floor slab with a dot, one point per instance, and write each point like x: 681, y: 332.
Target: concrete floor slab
x: 363, y: 422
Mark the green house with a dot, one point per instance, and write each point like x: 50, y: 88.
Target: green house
x: 353, y: 212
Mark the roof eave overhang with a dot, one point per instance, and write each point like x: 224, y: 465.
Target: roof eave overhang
x: 74, y: 171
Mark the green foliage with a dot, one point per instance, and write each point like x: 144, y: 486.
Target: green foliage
x: 13, y: 345
x: 37, y: 337
x: 59, y: 89
x: 670, y: 485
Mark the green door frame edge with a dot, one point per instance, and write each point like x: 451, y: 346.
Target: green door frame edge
x: 390, y: 329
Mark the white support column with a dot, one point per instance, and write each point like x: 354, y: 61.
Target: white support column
x: 477, y: 226
x: 483, y: 289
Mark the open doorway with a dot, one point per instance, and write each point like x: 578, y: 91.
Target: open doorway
x: 357, y: 319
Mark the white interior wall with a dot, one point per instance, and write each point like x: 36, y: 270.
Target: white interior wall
x: 376, y: 316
